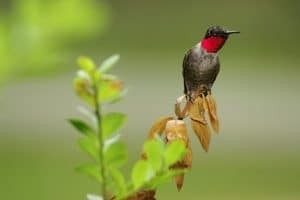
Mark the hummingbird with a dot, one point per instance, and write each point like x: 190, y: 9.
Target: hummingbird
x: 201, y: 67
x: 201, y: 63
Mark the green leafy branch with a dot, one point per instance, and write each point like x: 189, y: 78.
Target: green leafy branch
x: 95, y: 86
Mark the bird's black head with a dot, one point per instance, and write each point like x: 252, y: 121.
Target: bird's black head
x: 217, y: 31
x: 215, y: 38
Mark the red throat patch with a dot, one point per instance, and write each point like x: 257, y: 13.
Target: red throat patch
x: 213, y: 44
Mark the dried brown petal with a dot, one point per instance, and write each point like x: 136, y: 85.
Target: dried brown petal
x: 179, y: 178
x: 197, y: 110
x: 203, y: 133
x: 185, y: 163
x: 158, y: 127
x: 212, y: 112
x: 179, y: 181
x: 205, y: 105
x: 188, y: 156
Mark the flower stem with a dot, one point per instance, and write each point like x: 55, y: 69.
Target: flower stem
x: 101, y: 141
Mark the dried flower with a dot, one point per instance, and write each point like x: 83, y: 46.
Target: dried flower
x: 176, y: 130
x: 158, y: 127
x: 171, y: 130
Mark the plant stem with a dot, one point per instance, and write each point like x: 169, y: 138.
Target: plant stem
x: 101, y: 142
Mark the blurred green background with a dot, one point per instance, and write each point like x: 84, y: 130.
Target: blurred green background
x: 256, y: 155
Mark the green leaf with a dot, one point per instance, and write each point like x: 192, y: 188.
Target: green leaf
x: 174, y: 172
x: 165, y: 176
x: 109, y: 63
x: 119, y: 181
x: 109, y: 90
x: 142, y: 172
x: 93, y: 197
x: 83, y: 89
x: 109, y: 77
x: 115, y: 155
x: 83, y: 75
x: 112, y: 122
x: 88, y: 114
x: 90, y: 145
x: 120, y: 96
x: 82, y: 127
x: 90, y: 170
x: 154, y: 150
x: 174, y: 152
x: 112, y: 140
x: 86, y: 64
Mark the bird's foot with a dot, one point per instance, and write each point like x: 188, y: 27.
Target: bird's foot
x: 182, y: 113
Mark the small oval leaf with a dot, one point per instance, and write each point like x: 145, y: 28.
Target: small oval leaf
x: 112, y: 122
x: 90, y: 170
x: 109, y: 90
x: 90, y: 145
x: 83, y: 75
x: 115, y: 155
x: 166, y: 176
x: 109, y: 63
x: 141, y: 173
x: 86, y: 64
x: 174, y: 152
x: 119, y: 181
x: 82, y: 127
x: 154, y: 150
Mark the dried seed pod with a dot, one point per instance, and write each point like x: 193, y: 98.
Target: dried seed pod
x: 212, y: 112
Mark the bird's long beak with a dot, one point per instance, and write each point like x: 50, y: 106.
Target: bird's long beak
x: 232, y: 32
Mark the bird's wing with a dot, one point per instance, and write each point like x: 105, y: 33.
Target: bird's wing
x: 185, y: 64
x: 215, y: 71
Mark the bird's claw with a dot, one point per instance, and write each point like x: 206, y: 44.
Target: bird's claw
x: 181, y: 113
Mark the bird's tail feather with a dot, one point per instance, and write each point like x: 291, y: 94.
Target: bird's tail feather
x: 198, y: 108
